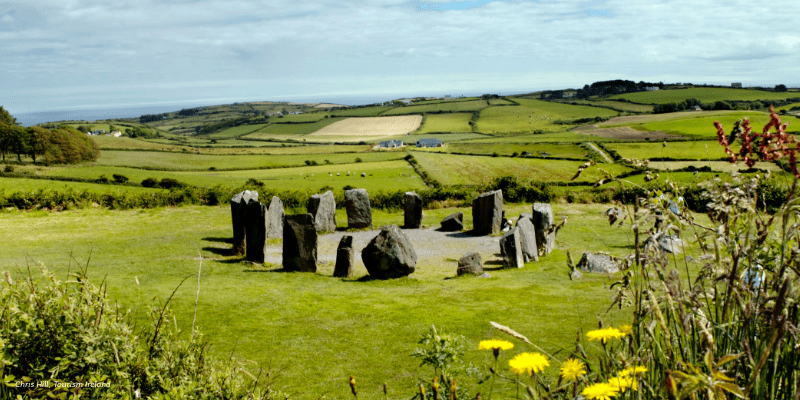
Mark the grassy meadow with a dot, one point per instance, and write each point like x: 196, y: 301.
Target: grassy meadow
x: 703, y: 94
x: 313, y: 330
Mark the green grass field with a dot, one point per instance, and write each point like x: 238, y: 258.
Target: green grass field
x: 619, y: 105
x: 180, y: 161
x: 235, y: 131
x: 457, y: 106
x: 695, y: 150
x: 703, y: 94
x: 386, y: 175
x: 535, y: 115
x: 508, y: 149
x: 316, y: 329
x: 550, y: 137
x: 11, y: 185
x: 702, y: 126
x: 451, y: 169
x: 360, y: 112
x: 456, y: 122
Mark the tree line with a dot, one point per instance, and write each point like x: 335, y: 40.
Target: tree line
x: 59, y: 145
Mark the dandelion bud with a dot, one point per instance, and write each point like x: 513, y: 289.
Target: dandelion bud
x: 353, y: 385
x: 422, y: 390
x: 453, y: 389
x: 435, y: 388
x: 491, y: 369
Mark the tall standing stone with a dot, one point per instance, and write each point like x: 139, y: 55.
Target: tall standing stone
x: 323, y: 208
x: 344, y: 258
x: 238, y: 203
x: 413, y: 211
x: 299, y: 243
x: 511, y: 249
x: 359, y: 213
x: 527, y: 238
x: 256, y: 231
x: 487, y: 212
x: 275, y: 219
x: 542, y: 221
x: 390, y: 254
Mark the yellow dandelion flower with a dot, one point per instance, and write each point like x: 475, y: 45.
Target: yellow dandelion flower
x: 622, y: 383
x: 626, y: 330
x: 495, y: 344
x: 572, y: 369
x: 599, y: 391
x: 604, y: 334
x: 528, y: 363
x: 635, y: 370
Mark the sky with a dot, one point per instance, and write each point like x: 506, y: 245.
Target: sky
x: 89, y: 54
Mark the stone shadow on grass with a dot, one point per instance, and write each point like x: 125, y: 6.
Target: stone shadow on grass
x: 219, y: 251
x: 218, y: 239
x: 461, y: 234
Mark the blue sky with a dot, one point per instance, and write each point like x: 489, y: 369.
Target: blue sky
x: 74, y: 54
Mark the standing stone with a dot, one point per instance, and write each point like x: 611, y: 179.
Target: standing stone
x: 511, y: 249
x: 527, y: 237
x: 592, y: 262
x: 487, y: 212
x: 238, y: 203
x: 344, y: 258
x: 413, y: 211
x: 299, y: 243
x: 275, y: 219
x: 256, y: 231
x: 390, y: 254
x: 323, y: 208
x: 542, y: 221
x: 453, y: 222
x: 359, y: 213
x: 470, y: 264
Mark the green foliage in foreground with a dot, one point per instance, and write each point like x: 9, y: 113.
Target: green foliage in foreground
x: 69, y: 335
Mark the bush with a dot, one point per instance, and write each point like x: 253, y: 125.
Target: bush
x: 8, y: 169
x: 149, y: 182
x: 120, y: 178
x: 103, y: 179
x: 170, y: 183
x: 358, y: 159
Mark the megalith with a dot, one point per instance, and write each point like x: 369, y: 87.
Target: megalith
x: 470, y: 263
x: 595, y: 262
x: 390, y: 254
x: 453, y: 222
x: 299, y: 243
x: 542, y: 219
x: 274, y: 217
x: 344, y: 258
x: 527, y: 237
x: 359, y: 213
x: 487, y: 212
x: 323, y: 208
x: 238, y: 203
x: 413, y: 211
x: 256, y: 232
x: 511, y: 249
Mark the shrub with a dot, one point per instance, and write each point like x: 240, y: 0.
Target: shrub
x: 358, y: 159
x: 120, y: 178
x: 170, y: 183
x: 8, y: 169
x: 150, y: 182
x: 103, y: 179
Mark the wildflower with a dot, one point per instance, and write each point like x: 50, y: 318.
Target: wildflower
x: 600, y: 391
x: 604, y: 334
x: 635, y: 370
x: 528, y: 363
x: 572, y: 369
x: 495, y: 346
x: 625, y: 330
x: 353, y: 385
x: 621, y: 383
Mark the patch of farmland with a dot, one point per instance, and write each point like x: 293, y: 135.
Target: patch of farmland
x: 305, y: 117
x: 184, y: 161
x: 703, y: 94
x: 370, y: 127
x: 383, y: 175
x: 619, y: 105
x: 437, y: 101
x: 535, y: 115
x: 451, y: 169
x: 108, y: 142
x: 11, y: 185
x: 455, y: 122
x: 720, y: 166
x: 551, y: 137
x: 702, y: 126
x: 508, y: 149
x: 694, y: 150
x: 453, y: 106
x: 360, y: 111
x: 624, y: 133
x: 236, y: 131
x: 270, y: 131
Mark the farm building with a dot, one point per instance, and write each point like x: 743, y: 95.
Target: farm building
x: 392, y: 143
x: 116, y: 133
x: 429, y: 143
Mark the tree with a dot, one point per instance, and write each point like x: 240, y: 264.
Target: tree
x: 38, y: 139
x: 781, y: 88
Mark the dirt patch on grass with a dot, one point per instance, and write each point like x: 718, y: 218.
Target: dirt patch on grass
x: 372, y: 126
x: 624, y: 133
